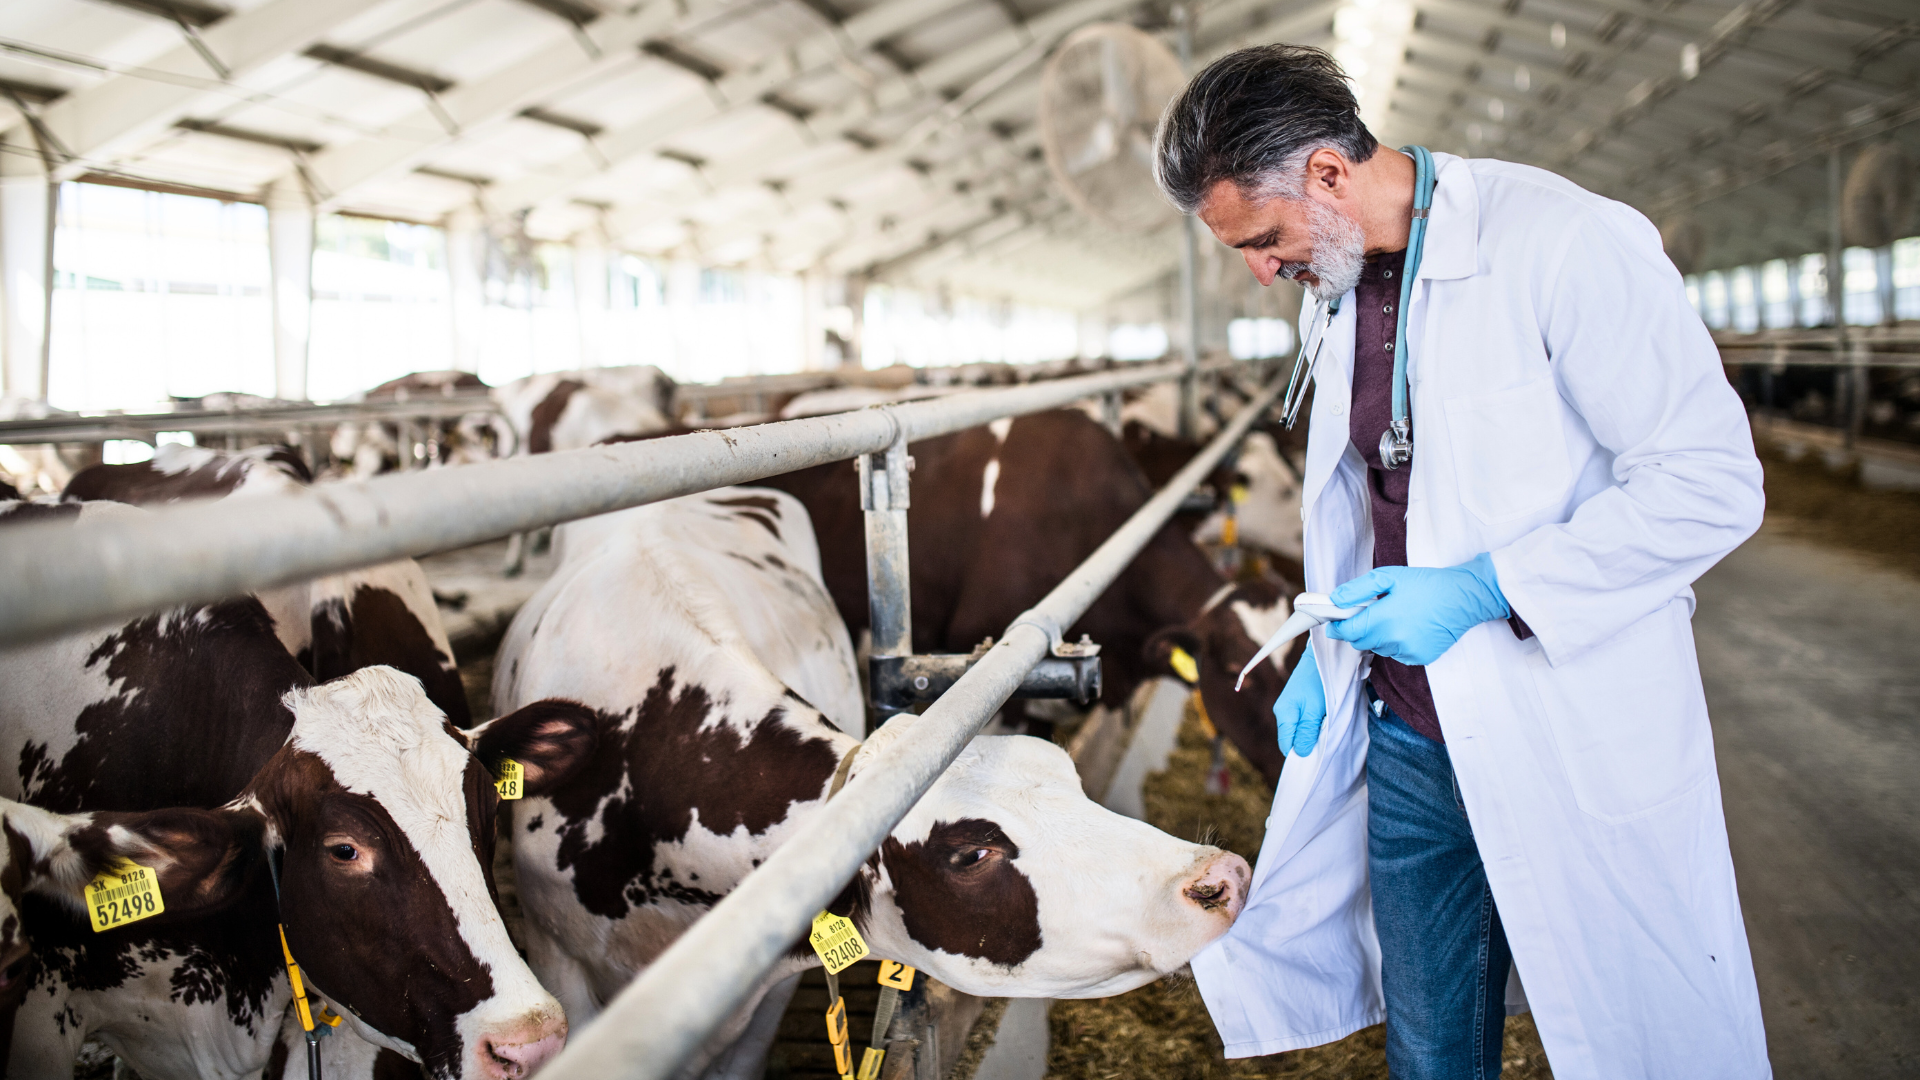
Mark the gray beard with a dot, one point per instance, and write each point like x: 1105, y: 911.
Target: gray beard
x: 1339, y: 252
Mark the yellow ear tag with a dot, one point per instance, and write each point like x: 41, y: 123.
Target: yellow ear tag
x: 1184, y: 666
x: 870, y: 1064
x: 127, y: 893
x: 512, y: 781
x: 1238, y: 493
x: 895, y: 974
x: 836, y: 940
x: 1230, y: 531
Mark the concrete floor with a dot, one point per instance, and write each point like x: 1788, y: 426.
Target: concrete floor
x: 1811, y: 659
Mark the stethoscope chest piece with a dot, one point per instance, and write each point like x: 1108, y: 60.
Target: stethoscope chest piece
x: 1396, y: 444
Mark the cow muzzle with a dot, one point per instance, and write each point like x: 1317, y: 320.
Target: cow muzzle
x: 1220, y: 885
x: 516, y: 1051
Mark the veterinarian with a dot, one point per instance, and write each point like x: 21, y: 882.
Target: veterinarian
x: 1501, y: 789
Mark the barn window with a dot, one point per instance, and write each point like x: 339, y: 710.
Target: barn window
x: 157, y: 295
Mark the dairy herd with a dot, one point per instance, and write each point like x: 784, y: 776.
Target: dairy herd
x: 187, y: 790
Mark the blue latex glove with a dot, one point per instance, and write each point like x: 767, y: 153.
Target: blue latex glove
x: 1301, y: 708
x: 1422, y: 610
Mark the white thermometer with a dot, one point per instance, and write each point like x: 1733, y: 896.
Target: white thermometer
x: 1310, y: 609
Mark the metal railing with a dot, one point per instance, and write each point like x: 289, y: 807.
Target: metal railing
x: 57, y: 577
x: 252, y: 420
x: 663, y: 1016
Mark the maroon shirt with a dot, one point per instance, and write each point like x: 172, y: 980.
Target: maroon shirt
x: 1376, y: 309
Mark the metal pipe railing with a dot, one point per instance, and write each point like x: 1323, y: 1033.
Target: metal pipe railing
x: 663, y: 1016
x: 57, y: 577
x: 265, y: 418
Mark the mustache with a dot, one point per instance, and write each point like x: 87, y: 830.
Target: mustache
x: 1292, y: 270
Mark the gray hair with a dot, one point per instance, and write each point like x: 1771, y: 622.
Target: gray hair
x: 1254, y: 117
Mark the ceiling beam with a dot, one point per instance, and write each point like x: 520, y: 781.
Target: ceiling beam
x: 341, y: 170
x: 94, y: 125
x: 727, y: 94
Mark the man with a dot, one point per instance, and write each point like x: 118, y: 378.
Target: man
x: 1509, y: 747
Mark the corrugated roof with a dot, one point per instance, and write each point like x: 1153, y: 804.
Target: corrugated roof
x: 861, y: 136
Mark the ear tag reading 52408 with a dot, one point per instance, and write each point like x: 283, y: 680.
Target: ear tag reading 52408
x: 836, y: 940
x: 127, y: 893
x: 512, y: 781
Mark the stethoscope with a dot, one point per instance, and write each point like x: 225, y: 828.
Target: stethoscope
x: 1396, y: 443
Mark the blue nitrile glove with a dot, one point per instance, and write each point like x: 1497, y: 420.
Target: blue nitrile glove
x: 1422, y: 610
x: 1301, y: 708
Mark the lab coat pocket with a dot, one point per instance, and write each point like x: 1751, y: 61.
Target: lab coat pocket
x: 1509, y: 450
x: 1628, y: 719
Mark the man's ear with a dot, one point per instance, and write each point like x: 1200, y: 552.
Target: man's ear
x: 204, y: 859
x: 550, y: 739
x: 1175, y: 651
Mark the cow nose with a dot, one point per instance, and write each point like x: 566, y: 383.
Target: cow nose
x: 1221, y: 884
x: 516, y: 1054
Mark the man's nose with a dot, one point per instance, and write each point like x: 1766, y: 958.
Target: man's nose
x: 1264, y: 267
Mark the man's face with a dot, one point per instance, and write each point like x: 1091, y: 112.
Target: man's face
x: 1310, y: 240
x: 1268, y: 234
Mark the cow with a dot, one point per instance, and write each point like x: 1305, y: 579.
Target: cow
x: 566, y: 410
x: 1003, y: 512
x: 349, y: 811
x: 681, y: 692
x: 373, y: 447
x: 336, y: 624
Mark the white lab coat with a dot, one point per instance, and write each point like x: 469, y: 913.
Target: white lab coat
x: 1571, y: 417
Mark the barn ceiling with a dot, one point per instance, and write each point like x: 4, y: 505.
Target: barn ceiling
x: 898, y: 138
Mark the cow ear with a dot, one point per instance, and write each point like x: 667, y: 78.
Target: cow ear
x: 1175, y: 651
x: 550, y: 739
x: 204, y: 859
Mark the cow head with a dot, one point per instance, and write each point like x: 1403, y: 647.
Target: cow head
x: 383, y: 823
x: 1226, y: 634
x: 1005, y: 879
x: 203, y: 860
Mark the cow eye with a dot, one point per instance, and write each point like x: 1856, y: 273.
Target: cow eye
x: 343, y: 852
x: 971, y: 858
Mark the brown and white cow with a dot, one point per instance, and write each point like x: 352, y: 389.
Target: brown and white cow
x: 372, y: 447
x: 47, y: 858
x: 676, y: 687
x: 335, y: 624
x: 566, y: 410
x: 380, y: 817
x: 1001, y: 513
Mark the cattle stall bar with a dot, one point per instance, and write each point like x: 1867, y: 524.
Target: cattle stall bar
x: 259, y: 420
x: 56, y: 577
x: 663, y: 1016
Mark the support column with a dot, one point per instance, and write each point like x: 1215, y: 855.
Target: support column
x: 290, y: 224
x: 592, y: 296
x: 466, y: 292
x: 1189, y: 272
x: 1846, y: 385
x: 28, y: 198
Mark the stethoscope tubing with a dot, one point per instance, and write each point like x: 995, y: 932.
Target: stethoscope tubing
x: 1309, y: 355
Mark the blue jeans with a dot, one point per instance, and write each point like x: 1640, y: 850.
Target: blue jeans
x: 1444, y: 956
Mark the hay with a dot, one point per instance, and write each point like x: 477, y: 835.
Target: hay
x: 1162, y: 1030
x: 1809, y: 501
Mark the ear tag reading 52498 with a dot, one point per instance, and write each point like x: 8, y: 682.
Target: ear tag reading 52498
x: 127, y: 893
x: 511, y: 783
x: 837, y: 941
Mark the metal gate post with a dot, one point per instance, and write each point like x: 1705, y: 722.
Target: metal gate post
x: 884, y: 498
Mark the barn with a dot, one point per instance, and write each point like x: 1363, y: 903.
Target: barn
x: 845, y: 538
